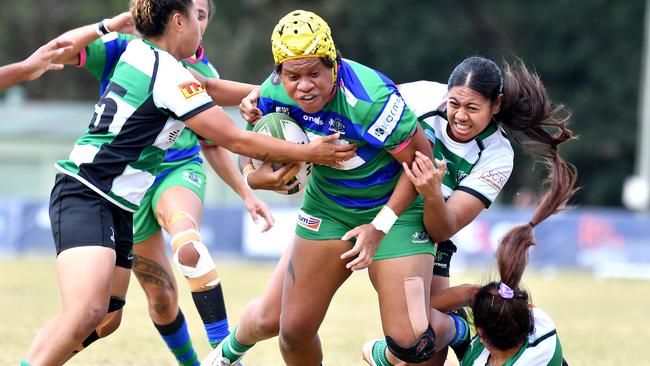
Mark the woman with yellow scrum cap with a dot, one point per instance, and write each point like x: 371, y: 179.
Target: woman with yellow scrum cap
x: 348, y: 211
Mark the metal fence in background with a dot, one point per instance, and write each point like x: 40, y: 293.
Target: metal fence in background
x: 612, y: 243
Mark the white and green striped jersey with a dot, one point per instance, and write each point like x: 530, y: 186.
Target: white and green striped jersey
x: 138, y: 117
x: 480, y: 167
x: 541, y: 348
x: 100, y: 58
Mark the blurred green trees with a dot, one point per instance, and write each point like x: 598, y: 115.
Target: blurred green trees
x: 588, y: 52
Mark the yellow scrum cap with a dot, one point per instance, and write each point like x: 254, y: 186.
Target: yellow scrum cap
x: 302, y: 34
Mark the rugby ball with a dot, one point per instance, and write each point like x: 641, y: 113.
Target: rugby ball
x: 281, y: 126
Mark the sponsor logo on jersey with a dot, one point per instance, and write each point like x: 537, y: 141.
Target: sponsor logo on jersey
x: 308, y: 222
x: 494, y: 179
x: 313, y: 119
x: 112, y: 234
x: 284, y: 110
x: 419, y: 237
x: 461, y: 174
x: 336, y: 125
x: 388, y: 119
x: 193, y: 178
x: 191, y: 88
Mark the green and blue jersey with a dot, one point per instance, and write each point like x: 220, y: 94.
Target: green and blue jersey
x: 368, y: 111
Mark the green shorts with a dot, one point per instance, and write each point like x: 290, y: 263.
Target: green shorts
x: 190, y: 175
x: 321, y: 219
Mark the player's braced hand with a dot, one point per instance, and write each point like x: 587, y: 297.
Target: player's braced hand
x: 323, y: 150
x: 368, y: 240
x: 426, y: 176
x: 266, y: 178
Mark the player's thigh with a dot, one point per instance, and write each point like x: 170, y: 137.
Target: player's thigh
x: 85, y: 277
x: 145, y: 222
x: 183, y: 190
x: 271, y: 300
x: 314, y: 272
x: 390, y: 277
x: 121, y: 278
x: 438, y: 283
x: 91, y: 236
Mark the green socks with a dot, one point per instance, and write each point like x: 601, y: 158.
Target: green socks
x: 232, y: 349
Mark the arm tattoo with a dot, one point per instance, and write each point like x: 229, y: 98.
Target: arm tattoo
x: 146, y: 270
x: 269, y: 159
x: 291, y: 271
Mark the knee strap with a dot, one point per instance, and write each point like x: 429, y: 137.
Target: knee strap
x: 116, y: 303
x: 183, y: 238
x: 167, y: 223
x: 107, y: 325
x: 202, y: 277
x: 420, y: 351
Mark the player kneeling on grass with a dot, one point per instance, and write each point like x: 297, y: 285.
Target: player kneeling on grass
x: 510, y: 330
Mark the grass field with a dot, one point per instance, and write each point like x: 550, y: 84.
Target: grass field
x: 599, y: 322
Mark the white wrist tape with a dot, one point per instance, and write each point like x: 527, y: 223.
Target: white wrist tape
x: 384, y: 219
x: 246, y: 180
x: 101, y: 28
x: 249, y: 168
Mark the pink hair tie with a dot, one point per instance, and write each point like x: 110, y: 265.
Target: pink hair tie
x: 505, y: 291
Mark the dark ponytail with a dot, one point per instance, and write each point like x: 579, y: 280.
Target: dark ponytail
x: 505, y: 318
x: 527, y: 111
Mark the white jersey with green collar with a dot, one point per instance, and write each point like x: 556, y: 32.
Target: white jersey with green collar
x: 138, y: 117
x: 480, y: 167
x: 541, y: 348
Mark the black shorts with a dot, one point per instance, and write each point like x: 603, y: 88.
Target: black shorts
x: 81, y: 217
x: 446, y: 249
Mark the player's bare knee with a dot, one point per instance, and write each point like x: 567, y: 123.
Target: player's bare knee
x: 188, y: 255
x: 288, y: 344
x: 296, y: 332
x: 87, y: 320
x: 268, y: 323
x: 202, y: 275
x: 161, y: 300
x: 108, y: 324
